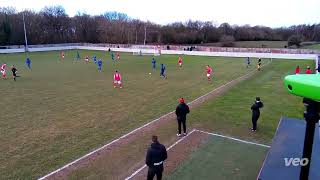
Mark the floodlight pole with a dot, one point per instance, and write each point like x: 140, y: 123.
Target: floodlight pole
x: 25, y: 34
x: 145, y: 35
x: 311, y: 116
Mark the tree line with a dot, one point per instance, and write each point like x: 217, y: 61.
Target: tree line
x: 52, y: 25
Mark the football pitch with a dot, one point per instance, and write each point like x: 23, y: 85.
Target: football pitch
x: 61, y: 110
x: 221, y: 158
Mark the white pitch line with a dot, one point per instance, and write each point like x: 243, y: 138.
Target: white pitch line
x: 144, y: 166
x: 213, y: 134
x: 235, y: 139
x: 227, y: 84
x: 135, y: 130
x: 106, y: 145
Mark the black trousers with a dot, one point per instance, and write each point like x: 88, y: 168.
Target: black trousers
x: 155, y: 171
x: 183, y: 122
x: 255, y: 118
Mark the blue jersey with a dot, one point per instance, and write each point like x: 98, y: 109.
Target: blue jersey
x: 28, y: 61
x: 163, y: 67
x: 154, y: 63
x: 100, y: 62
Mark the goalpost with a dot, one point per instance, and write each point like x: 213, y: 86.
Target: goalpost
x: 137, y: 52
x: 156, y: 51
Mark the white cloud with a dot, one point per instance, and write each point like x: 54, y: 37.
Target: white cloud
x: 272, y: 13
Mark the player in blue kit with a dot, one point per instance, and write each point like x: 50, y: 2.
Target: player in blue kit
x: 163, y: 71
x: 99, y: 65
x: 94, y: 59
x: 154, y: 63
x: 28, y: 63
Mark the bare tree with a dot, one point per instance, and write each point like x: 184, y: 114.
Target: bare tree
x: 53, y: 25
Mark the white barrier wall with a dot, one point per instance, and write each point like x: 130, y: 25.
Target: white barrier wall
x: 8, y: 51
x: 151, y: 51
x: 239, y: 54
x: 204, y: 53
x: 50, y: 49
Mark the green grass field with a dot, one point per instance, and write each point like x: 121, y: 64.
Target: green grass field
x: 222, y: 159
x: 60, y: 111
x: 314, y: 46
x: 230, y: 114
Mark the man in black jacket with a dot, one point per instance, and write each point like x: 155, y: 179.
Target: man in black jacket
x: 256, y: 113
x: 14, y: 72
x: 156, y: 154
x: 181, y: 111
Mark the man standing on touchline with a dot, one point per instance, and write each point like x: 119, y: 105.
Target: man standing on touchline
x: 181, y: 111
x: 156, y: 155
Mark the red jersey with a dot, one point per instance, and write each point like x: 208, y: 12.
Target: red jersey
x: 209, y: 70
x: 3, y: 70
x: 62, y: 54
x: 180, y: 60
x: 297, y: 70
x: 117, y: 77
x: 3, y: 67
x: 308, y: 71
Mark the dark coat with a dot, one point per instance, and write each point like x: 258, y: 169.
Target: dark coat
x: 156, y: 153
x: 256, y: 108
x: 181, y: 111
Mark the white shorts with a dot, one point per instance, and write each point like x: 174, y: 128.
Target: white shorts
x: 208, y: 75
x: 180, y: 64
x: 117, y: 82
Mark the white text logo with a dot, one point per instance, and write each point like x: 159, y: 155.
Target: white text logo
x: 296, y: 161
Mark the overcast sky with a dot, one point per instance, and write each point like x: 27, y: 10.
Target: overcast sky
x: 272, y: 13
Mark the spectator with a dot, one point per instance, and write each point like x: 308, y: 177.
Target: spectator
x: 308, y: 70
x: 297, y: 70
x: 181, y: 111
x: 256, y: 113
x: 156, y: 155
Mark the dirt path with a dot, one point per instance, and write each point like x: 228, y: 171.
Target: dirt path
x: 120, y: 158
x: 178, y: 154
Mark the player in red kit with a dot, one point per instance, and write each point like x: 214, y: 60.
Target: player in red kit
x: 3, y: 71
x: 180, y: 62
x: 117, y: 79
x: 118, y: 56
x: 297, y: 70
x: 62, y: 55
x: 86, y: 59
x: 208, y: 71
